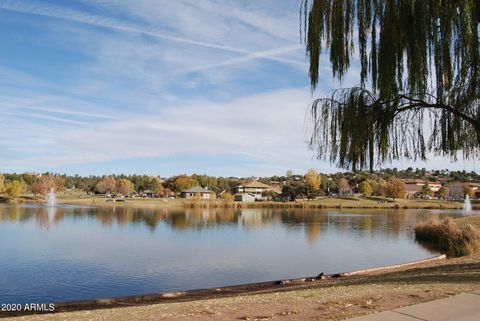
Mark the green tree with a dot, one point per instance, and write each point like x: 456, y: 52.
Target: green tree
x: 328, y: 185
x: 294, y: 189
x: 209, y: 182
x: 395, y: 188
x: 419, y: 60
x: 443, y: 192
x: 151, y: 183
x: 269, y: 195
x: 29, y: 179
x: 15, y: 188
x: 426, y: 190
x: 184, y: 182
x: 365, y: 188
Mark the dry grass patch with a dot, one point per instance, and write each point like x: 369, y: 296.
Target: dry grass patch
x: 449, y: 238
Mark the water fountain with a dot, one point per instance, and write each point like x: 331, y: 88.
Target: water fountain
x: 51, y: 198
x: 467, y: 205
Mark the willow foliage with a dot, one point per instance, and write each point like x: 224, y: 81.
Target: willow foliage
x: 419, y: 65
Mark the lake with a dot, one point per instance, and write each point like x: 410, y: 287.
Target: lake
x: 75, y: 252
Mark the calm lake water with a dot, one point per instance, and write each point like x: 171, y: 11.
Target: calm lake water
x: 73, y: 253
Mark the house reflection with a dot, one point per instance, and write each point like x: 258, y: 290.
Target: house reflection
x: 314, y: 223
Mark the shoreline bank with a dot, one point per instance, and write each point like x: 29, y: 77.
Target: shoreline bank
x: 328, y: 203
x: 323, y: 203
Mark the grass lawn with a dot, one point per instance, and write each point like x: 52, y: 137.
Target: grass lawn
x: 333, y: 202
x: 472, y: 219
x: 354, y: 202
x: 100, y: 200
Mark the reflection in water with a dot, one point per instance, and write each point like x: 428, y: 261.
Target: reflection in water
x: 314, y: 222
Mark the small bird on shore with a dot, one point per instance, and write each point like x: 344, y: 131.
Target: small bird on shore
x: 320, y: 276
x: 281, y: 282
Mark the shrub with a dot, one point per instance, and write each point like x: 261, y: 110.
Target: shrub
x: 448, y: 238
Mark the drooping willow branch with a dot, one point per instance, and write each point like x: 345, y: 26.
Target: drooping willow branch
x: 357, y: 129
x: 420, y: 61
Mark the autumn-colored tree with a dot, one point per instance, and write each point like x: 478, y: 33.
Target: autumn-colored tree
x: 467, y: 190
x: 38, y: 188
x: 443, y: 192
x: 125, y: 187
x: 228, y: 198
x: 396, y: 188
x: 165, y: 192
x: 184, y: 182
x: 15, y: 188
x: 159, y: 190
x: 106, y: 185
x: 313, y: 181
x: 2, y: 183
x: 46, y: 183
x: 343, y: 186
x: 365, y: 188
x: 380, y: 188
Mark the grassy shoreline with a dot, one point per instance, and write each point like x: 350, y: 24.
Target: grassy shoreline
x: 338, y: 203
x: 323, y: 203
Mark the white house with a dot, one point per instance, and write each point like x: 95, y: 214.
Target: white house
x: 255, y: 188
x: 415, y: 186
x: 244, y: 197
x: 197, y: 190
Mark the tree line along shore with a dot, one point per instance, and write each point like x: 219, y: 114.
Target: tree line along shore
x: 358, y: 189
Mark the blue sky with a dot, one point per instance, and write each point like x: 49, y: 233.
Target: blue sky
x: 158, y: 87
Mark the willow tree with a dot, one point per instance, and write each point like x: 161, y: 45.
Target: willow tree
x: 418, y: 86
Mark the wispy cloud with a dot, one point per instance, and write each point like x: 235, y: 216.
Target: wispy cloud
x: 107, y: 81
x: 254, y: 126
x: 252, y: 56
x: 50, y: 10
x: 41, y: 116
x: 13, y: 108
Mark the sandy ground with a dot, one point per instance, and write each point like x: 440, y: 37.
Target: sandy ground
x: 333, y: 299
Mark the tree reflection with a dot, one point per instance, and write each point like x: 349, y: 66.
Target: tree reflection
x: 314, y: 222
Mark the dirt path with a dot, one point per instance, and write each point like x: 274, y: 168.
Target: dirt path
x: 334, y: 299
